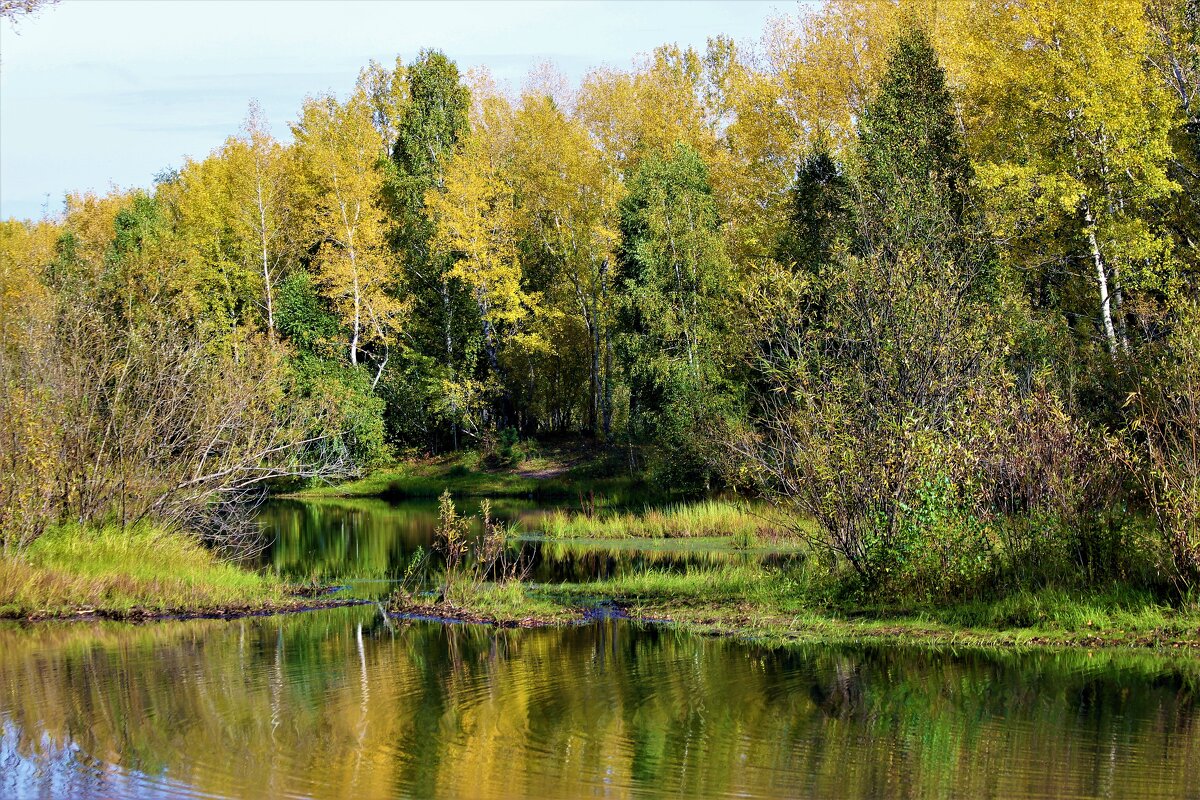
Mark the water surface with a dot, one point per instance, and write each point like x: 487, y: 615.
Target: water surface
x: 346, y: 703
x: 368, y: 543
x: 353, y: 703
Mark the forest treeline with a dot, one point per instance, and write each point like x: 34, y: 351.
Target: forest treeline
x: 923, y: 272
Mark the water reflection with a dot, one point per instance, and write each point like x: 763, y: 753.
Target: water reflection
x: 349, y: 703
x: 374, y: 540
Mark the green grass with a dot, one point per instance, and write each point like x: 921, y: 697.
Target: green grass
x: 1115, y: 609
x: 662, y: 592
x: 108, y: 571
x: 761, y: 603
x: 741, y: 524
x: 712, y: 550
x: 754, y: 602
x: 464, y: 475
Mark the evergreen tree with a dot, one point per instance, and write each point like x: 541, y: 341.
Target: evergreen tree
x: 909, y: 143
x: 869, y: 396
x: 444, y: 338
x: 821, y: 212
x: 430, y: 128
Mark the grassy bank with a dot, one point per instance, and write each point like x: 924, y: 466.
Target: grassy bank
x: 558, y: 476
x: 751, y: 602
x: 134, y: 573
x: 765, y: 605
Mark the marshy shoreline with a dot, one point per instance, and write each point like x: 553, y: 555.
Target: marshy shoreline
x: 147, y: 575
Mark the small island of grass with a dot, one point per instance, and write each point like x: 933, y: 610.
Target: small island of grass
x: 740, y: 593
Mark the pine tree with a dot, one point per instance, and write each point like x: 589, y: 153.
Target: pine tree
x: 909, y: 144
x: 821, y: 212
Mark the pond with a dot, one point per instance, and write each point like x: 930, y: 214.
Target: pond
x: 369, y: 544
x: 351, y: 703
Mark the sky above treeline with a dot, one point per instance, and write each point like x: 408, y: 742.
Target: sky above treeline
x: 99, y: 94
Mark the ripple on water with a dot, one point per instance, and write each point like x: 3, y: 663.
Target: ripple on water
x: 342, y: 703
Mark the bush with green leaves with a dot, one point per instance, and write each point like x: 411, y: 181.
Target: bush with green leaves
x: 353, y: 410
x: 871, y: 393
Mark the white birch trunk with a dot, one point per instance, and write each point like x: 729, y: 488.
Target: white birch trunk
x: 1110, y: 333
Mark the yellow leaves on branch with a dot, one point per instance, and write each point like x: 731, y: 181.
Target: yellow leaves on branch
x: 569, y: 195
x: 477, y: 218
x: 1065, y: 118
x: 24, y: 249
x: 339, y: 151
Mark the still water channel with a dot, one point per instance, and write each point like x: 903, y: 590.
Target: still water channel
x: 351, y: 703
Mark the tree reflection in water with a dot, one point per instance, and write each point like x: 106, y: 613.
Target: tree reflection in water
x: 346, y: 703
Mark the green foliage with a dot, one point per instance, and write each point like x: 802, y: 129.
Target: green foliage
x: 821, y: 214
x: 909, y: 142
x: 411, y: 392
x: 433, y: 122
x: 865, y: 424
x: 1167, y: 426
x: 437, y: 380
x: 501, y: 448
x: 303, y: 316
x: 353, y: 412
x: 941, y: 548
x: 135, y: 226
x: 677, y: 277
x: 677, y: 272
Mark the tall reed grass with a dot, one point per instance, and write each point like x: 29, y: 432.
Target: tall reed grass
x: 748, y: 525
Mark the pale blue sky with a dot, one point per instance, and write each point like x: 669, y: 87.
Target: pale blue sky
x: 96, y: 93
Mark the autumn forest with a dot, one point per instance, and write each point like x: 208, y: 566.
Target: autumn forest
x: 923, y: 276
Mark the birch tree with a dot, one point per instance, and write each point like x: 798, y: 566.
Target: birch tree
x: 338, y: 150
x: 264, y: 194
x: 236, y: 214
x: 677, y: 278
x: 475, y: 217
x: 1071, y: 141
x: 569, y: 202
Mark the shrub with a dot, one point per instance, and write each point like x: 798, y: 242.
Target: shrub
x: 471, y: 562
x: 1167, y: 429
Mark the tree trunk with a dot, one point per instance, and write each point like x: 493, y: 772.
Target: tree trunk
x: 489, y: 346
x: 446, y: 312
x: 1118, y: 312
x: 597, y: 399
x: 1110, y: 333
x: 357, y: 311
x: 266, y: 264
x: 607, y: 415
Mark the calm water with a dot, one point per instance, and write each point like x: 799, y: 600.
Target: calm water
x: 369, y: 543
x: 350, y: 703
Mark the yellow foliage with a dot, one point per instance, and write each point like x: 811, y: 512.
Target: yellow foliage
x: 338, y: 149
x: 26, y: 249
x: 477, y: 218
